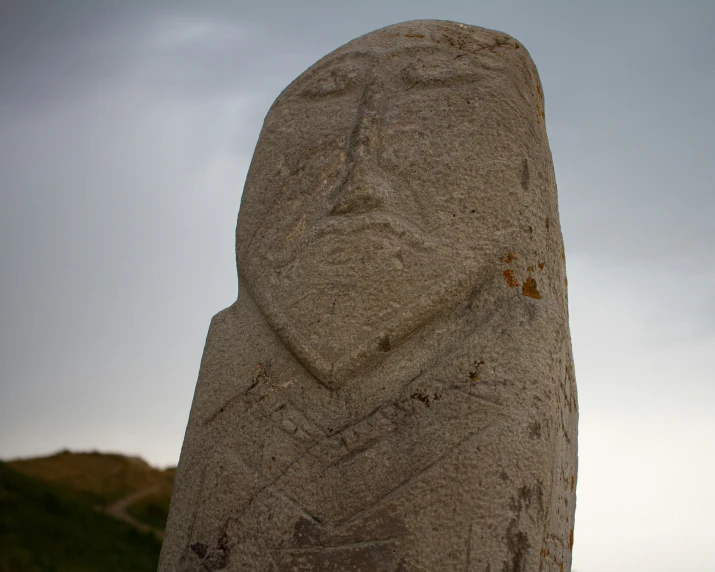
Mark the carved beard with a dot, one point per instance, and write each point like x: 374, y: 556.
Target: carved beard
x: 351, y: 289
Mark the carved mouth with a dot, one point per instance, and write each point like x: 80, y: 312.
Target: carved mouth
x: 379, y: 222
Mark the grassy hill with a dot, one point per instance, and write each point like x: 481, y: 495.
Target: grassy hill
x: 64, y: 513
x: 100, y: 478
x: 43, y: 528
x: 152, y: 509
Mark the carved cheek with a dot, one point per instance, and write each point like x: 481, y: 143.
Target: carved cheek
x: 299, y: 158
x: 421, y: 156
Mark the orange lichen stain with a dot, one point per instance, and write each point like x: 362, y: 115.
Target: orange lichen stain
x: 544, y: 553
x: 571, y: 540
x: 529, y: 268
x: 474, y: 374
x: 509, y: 258
x: 393, y: 55
x: 529, y: 289
x: 414, y: 36
x: 573, y: 483
x: 510, y: 280
x: 561, y: 566
x: 566, y: 281
x: 541, y: 265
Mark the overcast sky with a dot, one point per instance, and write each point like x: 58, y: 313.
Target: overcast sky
x: 126, y: 130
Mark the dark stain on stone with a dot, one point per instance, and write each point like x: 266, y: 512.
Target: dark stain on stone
x: 401, y: 566
x: 306, y: 533
x: 385, y: 343
x: 423, y: 397
x: 475, y: 295
x: 535, y: 430
x: 215, y: 560
x: 528, y: 498
x: 517, y: 543
x: 212, y: 558
x: 525, y: 174
x: 539, y: 497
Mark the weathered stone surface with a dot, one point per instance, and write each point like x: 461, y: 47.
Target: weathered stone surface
x: 393, y: 390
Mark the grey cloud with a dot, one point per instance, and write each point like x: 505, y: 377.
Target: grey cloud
x: 54, y: 52
x: 51, y: 50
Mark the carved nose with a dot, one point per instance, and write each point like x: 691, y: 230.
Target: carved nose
x: 357, y: 202
x: 364, y: 188
x: 362, y: 191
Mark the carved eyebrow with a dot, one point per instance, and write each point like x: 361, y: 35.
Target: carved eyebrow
x: 337, y: 60
x: 346, y: 69
x: 328, y: 61
x: 464, y: 68
x: 343, y: 69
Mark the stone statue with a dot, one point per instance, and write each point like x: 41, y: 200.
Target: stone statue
x: 393, y: 390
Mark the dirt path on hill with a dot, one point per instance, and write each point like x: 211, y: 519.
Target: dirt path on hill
x: 118, y: 510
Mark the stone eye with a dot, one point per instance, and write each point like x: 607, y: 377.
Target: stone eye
x: 331, y: 82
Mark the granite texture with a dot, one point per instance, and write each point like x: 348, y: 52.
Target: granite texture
x: 393, y: 389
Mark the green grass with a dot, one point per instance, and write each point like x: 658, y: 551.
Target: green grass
x: 153, y: 509
x: 99, y: 478
x: 46, y: 528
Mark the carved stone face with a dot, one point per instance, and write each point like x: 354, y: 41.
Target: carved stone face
x: 376, y: 196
